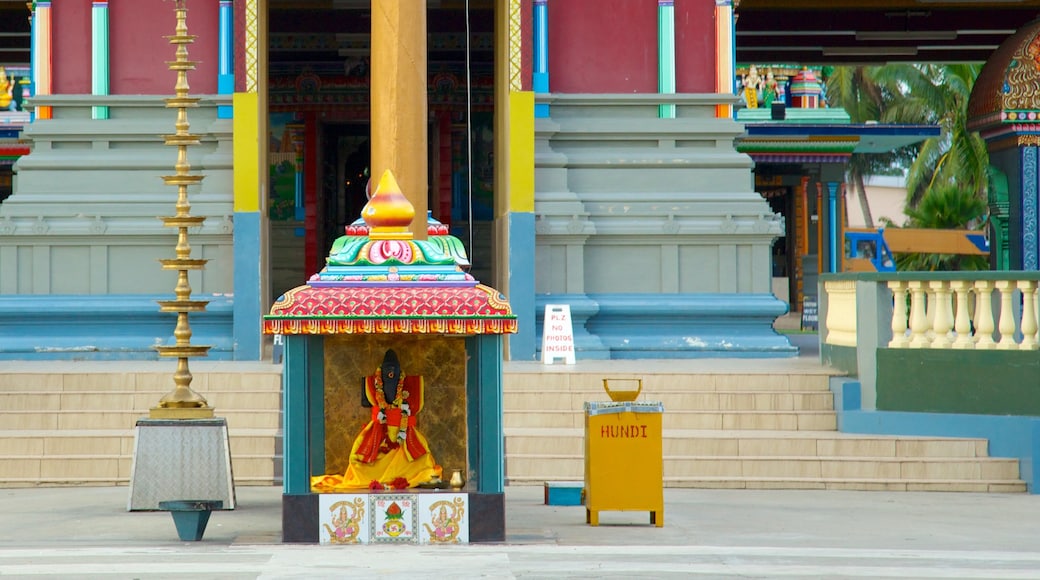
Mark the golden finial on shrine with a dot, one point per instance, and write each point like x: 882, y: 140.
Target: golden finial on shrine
x: 388, y: 213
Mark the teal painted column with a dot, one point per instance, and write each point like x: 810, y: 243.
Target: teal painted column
x: 226, y: 62
x: 540, y: 77
x: 32, y: 60
x: 484, y: 412
x: 296, y: 374
x: 99, y: 55
x: 832, y: 227
x: 666, y: 54
x: 316, y: 404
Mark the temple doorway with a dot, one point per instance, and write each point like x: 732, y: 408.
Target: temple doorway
x: 319, y: 123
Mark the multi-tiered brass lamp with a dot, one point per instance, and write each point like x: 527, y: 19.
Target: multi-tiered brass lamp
x: 182, y: 402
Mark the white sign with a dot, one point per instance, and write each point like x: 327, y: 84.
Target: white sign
x: 557, y: 338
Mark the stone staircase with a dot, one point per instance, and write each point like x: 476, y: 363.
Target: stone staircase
x: 727, y: 424
x: 72, y: 423
x: 735, y: 424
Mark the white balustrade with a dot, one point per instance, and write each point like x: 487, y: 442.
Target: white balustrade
x: 962, y: 318
x: 984, y: 315
x: 942, y: 319
x: 918, y: 318
x: 1029, y: 322
x: 899, y: 318
x: 944, y: 313
x: 841, y: 312
x: 1006, y: 326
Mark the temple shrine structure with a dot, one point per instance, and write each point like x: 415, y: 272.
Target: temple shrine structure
x: 383, y: 292
x: 593, y: 154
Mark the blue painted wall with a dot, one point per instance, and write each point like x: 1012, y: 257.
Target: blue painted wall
x: 246, y: 330
x: 524, y: 344
x: 105, y: 327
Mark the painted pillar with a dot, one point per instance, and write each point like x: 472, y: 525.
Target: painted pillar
x: 315, y: 417
x: 399, y: 100
x: 42, y: 55
x: 250, y: 181
x: 832, y: 226
x: 484, y: 412
x: 299, y: 212
x: 443, y: 174
x: 1030, y: 207
x: 801, y: 212
x: 514, y: 171
x: 821, y: 245
x: 225, y: 65
x: 725, y: 70
x: 541, y: 56
x: 310, y: 196
x: 295, y: 394
x: 666, y: 55
x: 99, y: 55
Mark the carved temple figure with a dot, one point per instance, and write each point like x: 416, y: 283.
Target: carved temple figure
x: 390, y: 449
x: 752, y: 83
x: 6, y: 89
x: 770, y: 89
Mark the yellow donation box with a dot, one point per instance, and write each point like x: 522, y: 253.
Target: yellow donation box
x: 624, y: 466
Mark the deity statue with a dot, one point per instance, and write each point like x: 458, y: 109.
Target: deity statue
x: 770, y: 89
x: 6, y: 89
x: 390, y: 451
x: 752, y: 83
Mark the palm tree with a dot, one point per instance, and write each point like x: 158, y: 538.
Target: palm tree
x: 868, y: 93
x: 939, y: 94
x: 915, y: 94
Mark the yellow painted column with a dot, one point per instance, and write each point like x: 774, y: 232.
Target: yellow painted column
x: 513, y: 263
x: 399, y: 105
x: 724, y: 66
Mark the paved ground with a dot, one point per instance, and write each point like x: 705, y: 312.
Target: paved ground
x: 86, y: 533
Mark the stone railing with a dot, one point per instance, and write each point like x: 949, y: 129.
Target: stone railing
x: 961, y: 313
x: 951, y: 354
x: 942, y: 310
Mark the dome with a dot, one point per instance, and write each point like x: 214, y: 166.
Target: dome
x: 1008, y: 88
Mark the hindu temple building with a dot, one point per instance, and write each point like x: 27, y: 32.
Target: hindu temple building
x: 583, y: 152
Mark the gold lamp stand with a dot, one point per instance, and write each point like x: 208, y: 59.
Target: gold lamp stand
x: 182, y: 402
x: 182, y: 453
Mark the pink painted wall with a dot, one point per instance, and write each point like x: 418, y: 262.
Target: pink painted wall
x: 695, y: 46
x: 603, y: 46
x: 139, y: 50
x: 70, y: 33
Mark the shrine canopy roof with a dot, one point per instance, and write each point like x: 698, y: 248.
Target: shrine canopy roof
x: 379, y: 281
x: 820, y: 135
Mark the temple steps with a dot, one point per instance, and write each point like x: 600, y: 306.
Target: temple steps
x: 72, y: 423
x: 768, y: 425
x: 736, y: 424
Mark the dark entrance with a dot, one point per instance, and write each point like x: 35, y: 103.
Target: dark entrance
x: 318, y: 102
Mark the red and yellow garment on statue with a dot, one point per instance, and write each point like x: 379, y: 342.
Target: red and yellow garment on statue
x: 390, y: 446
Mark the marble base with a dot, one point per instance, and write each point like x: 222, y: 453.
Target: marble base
x: 188, y: 459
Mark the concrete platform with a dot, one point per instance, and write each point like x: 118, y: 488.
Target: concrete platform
x: 86, y: 532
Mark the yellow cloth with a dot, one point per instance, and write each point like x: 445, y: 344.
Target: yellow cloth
x: 388, y: 467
